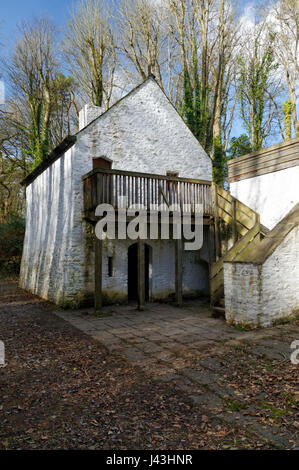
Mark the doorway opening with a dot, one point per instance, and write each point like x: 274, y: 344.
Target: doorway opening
x: 133, y: 272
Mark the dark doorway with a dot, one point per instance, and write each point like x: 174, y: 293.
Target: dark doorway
x: 133, y: 272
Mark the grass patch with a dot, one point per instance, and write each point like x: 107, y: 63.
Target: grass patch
x: 276, y: 413
x: 241, y: 328
x: 234, y: 405
x: 102, y: 315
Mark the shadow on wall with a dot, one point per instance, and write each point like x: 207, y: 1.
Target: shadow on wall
x: 196, y: 275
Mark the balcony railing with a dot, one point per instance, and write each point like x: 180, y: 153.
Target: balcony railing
x: 122, y: 189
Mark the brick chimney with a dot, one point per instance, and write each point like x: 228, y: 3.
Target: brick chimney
x: 88, y: 113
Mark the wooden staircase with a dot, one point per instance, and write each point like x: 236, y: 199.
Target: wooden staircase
x: 237, y: 230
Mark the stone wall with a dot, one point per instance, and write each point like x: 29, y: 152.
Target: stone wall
x: 264, y: 293
x: 141, y: 133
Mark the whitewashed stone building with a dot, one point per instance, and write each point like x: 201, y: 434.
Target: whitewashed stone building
x: 267, y: 180
x: 141, y: 133
x: 141, y: 149
x: 261, y: 283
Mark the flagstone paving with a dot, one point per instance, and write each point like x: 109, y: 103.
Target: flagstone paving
x: 212, y: 384
x: 184, y: 347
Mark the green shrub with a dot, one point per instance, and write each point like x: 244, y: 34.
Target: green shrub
x: 11, y: 244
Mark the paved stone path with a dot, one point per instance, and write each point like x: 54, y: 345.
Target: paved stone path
x: 182, y: 347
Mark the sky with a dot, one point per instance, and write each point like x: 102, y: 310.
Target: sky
x: 13, y: 12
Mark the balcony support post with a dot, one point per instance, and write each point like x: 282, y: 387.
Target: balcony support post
x: 141, y: 274
x: 98, y: 300
x: 178, y: 272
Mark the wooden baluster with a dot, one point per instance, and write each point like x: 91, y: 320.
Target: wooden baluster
x: 129, y: 191
x: 159, y: 192
x: 102, y: 176
x: 108, y: 189
x: 111, y: 189
x: 149, y: 194
x: 133, y: 190
x: 97, y: 181
x: 137, y: 180
x: 125, y: 187
x: 104, y: 188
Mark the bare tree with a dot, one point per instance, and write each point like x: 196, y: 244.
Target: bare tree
x: 258, y: 85
x: 283, y: 22
x: 37, y: 90
x: 31, y: 70
x: 143, y: 40
x: 90, y: 50
x: 206, y: 34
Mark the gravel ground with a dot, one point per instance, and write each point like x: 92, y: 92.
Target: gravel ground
x: 60, y: 389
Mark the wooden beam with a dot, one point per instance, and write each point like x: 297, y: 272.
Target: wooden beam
x: 234, y: 225
x: 179, y: 272
x: 141, y: 274
x: 211, y: 245
x: 98, y: 300
x: 153, y: 176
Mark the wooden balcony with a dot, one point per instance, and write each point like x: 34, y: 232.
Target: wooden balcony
x: 103, y: 186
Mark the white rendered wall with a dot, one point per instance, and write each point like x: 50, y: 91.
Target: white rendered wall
x: 261, y: 295
x: 142, y: 133
x: 53, y: 263
x: 272, y: 195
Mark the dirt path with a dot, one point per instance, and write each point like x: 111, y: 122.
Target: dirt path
x: 61, y: 388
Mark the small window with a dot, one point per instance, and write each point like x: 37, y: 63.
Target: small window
x: 110, y: 266
x: 174, y: 174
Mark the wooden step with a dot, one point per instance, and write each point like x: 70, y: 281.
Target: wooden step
x: 218, y: 311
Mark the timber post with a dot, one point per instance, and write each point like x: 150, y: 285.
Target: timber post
x: 178, y: 272
x: 234, y: 225
x: 98, y: 298
x: 141, y: 274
